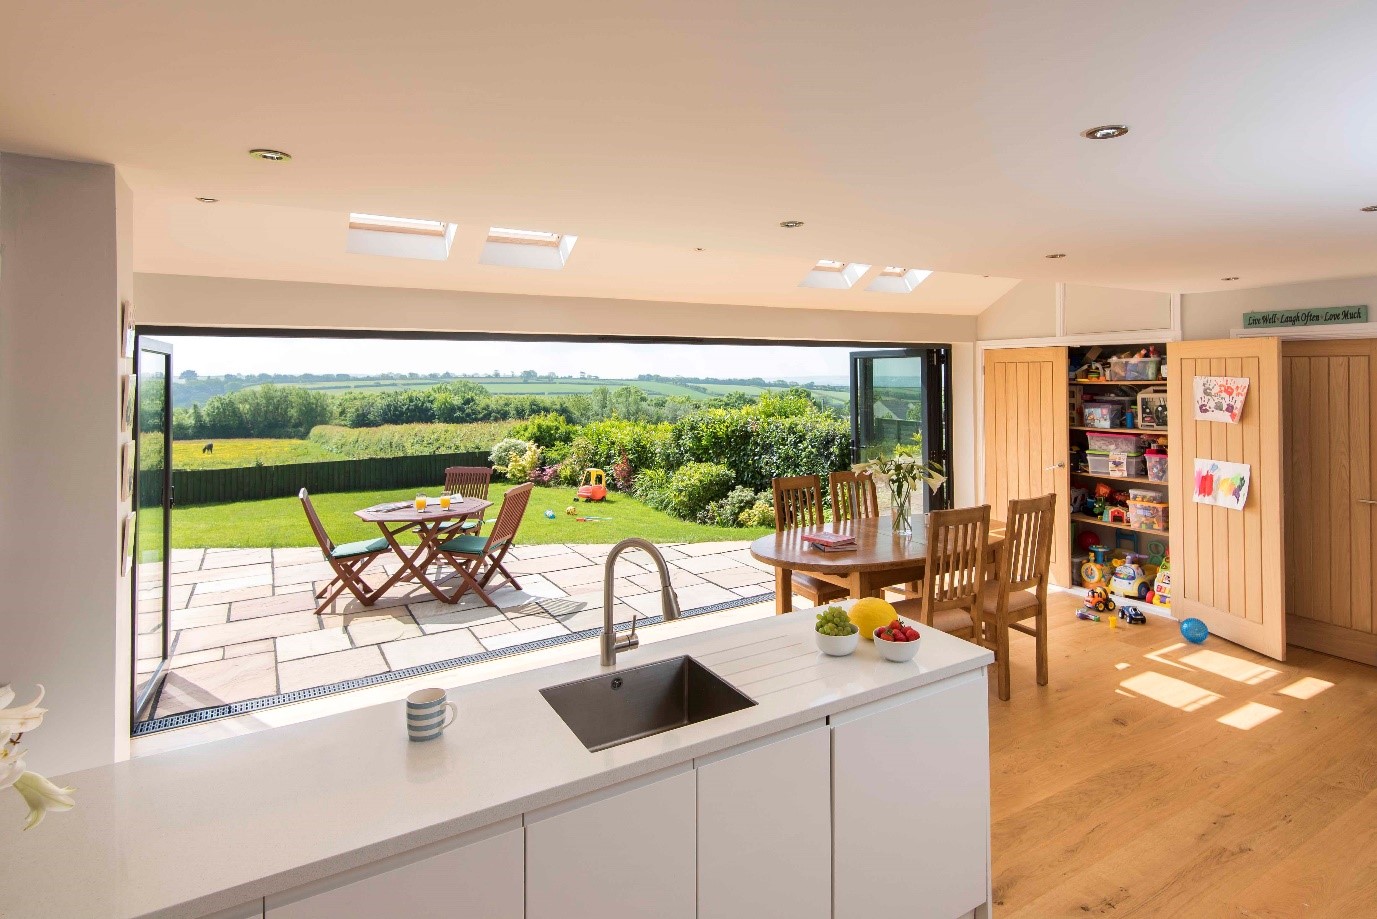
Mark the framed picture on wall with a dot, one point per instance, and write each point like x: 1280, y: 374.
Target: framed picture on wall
x: 127, y: 543
x: 127, y: 328
x: 127, y: 470
x: 126, y: 402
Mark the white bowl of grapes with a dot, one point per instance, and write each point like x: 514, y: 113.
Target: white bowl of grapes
x: 837, y: 635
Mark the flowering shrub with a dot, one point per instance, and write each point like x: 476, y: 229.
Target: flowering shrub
x: 544, y: 475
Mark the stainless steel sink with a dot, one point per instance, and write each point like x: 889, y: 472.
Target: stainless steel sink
x: 617, y: 708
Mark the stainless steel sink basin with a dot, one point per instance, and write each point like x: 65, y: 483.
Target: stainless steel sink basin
x: 617, y: 708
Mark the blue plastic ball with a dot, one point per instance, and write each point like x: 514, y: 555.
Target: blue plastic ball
x: 550, y: 514
x: 1194, y: 631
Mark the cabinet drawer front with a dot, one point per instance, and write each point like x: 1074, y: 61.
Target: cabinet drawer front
x: 912, y: 781
x: 765, y: 831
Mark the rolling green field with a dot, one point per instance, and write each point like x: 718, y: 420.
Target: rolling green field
x: 281, y: 523
x: 247, y: 451
x: 513, y: 386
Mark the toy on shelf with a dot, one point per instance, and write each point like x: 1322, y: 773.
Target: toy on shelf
x: 1094, y: 571
x: 1152, y: 408
x: 1098, y: 599
x: 1114, y: 514
x: 1093, y: 372
x: 593, y: 487
x: 1132, y: 579
x: 1160, y: 595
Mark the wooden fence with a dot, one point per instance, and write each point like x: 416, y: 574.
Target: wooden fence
x: 252, y: 483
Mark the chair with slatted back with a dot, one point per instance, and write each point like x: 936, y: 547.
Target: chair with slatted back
x: 476, y: 560
x: 798, y: 503
x: 467, y: 482
x: 1019, y: 592
x: 348, y: 560
x: 954, y: 578
x: 853, y: 495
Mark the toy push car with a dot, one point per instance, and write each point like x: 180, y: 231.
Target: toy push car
x: 593, y: 487
x: 1098, y: 599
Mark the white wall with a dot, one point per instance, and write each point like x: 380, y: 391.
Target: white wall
x: 1028, y: 310
x: 1216, y: 314
x: 64, y: 616
x: 166, y: 299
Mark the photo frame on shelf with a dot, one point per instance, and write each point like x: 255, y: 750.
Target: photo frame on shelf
x: 127, y: 543
x: 127, y: 390
x: 126, y: 328
x: 128, y: 461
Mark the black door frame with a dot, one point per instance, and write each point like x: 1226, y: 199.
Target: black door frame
x: 937, y: 395
x: 141, y: 701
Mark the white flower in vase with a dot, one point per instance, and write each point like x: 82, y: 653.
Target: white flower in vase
x: 38, y: 792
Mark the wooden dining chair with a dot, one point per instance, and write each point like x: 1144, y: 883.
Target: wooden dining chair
x: 853, y: 495
x: 954, y: 579
x: 348, y: 561
x: 1019, y: 592
x: 477, y: 560
x: 467, y: 482
x: 798, y: 503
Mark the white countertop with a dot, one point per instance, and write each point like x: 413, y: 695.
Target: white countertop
x: 189, y: 832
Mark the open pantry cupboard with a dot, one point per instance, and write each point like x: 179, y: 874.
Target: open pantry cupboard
x: 1226, y: 564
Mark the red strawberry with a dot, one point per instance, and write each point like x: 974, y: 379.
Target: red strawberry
x: 911, y: 633
x: 886, y: 634
x: 896, y: 624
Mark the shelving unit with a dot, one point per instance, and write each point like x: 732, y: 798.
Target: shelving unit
x: 1115, y: 535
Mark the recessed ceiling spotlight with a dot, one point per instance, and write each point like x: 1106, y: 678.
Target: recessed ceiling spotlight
x: 791, y: 224
x: 1056, y: 255
x: 1229, y: 279
x: 272, y: 156
x: 1370, y: 208
x: 207, y: 200
x: 1105, y: 132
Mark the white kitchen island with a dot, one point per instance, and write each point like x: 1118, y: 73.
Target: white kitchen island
x: 805, y: 804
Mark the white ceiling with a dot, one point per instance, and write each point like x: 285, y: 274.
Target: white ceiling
x: 921, y: 134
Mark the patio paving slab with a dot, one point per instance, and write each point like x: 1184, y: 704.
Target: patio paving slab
x: 229, y: 558
x: 511, y: 639
x: 373, y: 629
x: 197, y: 616
x: 412, y: 652
x: 218, y: 683
x: 308, y: 644
x: 295, y: 602
x: 329, y: 668
x: 245, y: 630
x: 435, y: 617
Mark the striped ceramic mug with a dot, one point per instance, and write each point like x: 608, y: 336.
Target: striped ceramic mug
x: 428, y: 714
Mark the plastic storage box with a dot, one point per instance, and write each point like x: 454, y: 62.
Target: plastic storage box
x: 1135, y: 368
x: 1156, y: 466
x: 1104, y: 414
x: 1147, y: 515
x: 1113, y: 443
x: 1115, y: 464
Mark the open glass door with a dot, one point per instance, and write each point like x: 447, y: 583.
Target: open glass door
x: 153, y: 527
x: 897, y: 395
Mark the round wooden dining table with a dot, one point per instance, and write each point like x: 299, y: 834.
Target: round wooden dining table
x: 428, y: 525
x: 879, y: 560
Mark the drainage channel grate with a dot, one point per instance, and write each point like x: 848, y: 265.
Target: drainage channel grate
x: 203, y: 715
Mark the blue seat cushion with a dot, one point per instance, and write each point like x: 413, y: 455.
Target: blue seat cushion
x: 468, y: 545
x: 362, y: 547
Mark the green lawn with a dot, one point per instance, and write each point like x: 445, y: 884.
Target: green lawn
x: 280, y: 523
x: 186, y: 454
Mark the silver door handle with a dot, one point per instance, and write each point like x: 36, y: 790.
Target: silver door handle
x: 1057, y: 466
x: 1366, y: 501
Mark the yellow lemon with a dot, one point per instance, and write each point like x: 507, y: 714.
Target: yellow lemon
x: 869, y: 613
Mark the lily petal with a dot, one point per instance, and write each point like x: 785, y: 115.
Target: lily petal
x: 21, y: 718
x: 42, y: 796
x: 6, y: 695
x: 11, y: 765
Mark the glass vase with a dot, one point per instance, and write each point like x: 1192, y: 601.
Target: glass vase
x: 901, y: 507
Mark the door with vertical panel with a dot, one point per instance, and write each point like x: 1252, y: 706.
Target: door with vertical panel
x: 1026, y: 437
x: 1227, y: 565
x: 1331, y: 502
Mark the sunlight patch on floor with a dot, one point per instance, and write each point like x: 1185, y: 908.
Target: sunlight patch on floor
x: 1157, y: 656
x: 1307, y: 687
x: 1229, y: 667
x: 1170, y: 691
x: 1246, y: 717
x: 1122, y: 665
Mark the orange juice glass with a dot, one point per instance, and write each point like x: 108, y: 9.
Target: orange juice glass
x: 444, y: 502
x: 420, y: 502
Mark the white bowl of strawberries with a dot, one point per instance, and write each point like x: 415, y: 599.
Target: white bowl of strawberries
x: 897, y: 641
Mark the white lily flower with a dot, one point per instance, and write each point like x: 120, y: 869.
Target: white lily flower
x: 42, y: 796
x: 11, y: 763
x: 21, y: 718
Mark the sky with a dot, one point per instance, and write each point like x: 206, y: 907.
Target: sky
x: 215, y: 356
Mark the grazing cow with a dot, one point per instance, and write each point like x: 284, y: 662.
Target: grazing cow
x: 208, y: 448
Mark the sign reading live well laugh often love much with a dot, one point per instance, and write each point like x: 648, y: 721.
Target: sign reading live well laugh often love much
x: 1321, y: 315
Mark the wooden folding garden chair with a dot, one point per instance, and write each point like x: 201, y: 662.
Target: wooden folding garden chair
x: 477, y: 560
x: 467, y: 482
x: 348, y: 560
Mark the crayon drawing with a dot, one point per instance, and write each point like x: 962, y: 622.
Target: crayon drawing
x: 1220, y: 398
x: 1222, y: 484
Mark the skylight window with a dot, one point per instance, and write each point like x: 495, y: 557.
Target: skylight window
x: 399, y: 237
x: 831, y: 274
x: 895, y: 280
x: 513, y: 248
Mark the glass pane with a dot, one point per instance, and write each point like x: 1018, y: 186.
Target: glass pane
x: 149, y: 550
x: 891, y: 407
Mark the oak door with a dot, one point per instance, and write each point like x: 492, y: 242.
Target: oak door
x: 1026, y: 437
x: 1227, y: 565
x: 1331, y: 504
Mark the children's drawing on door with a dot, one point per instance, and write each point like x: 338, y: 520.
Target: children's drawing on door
x: 1220, y: 398
x: 1222, y: 484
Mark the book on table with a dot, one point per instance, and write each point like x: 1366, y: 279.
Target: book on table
x: 844, y: 547
x: 826, y: 540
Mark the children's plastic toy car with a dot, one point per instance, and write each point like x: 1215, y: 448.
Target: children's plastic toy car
x: 1130, y: 579
x: 1098, y: 599
x: 593, y: 487
x: 1132, y: 616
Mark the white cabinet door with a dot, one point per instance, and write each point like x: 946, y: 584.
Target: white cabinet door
x: 765, y: 829
x: 478, y: 876
x: 911, y: 792
x: 626, y: 852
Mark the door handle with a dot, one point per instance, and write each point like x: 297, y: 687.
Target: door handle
x: 1057, y: 466
x: 1366, y: 501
